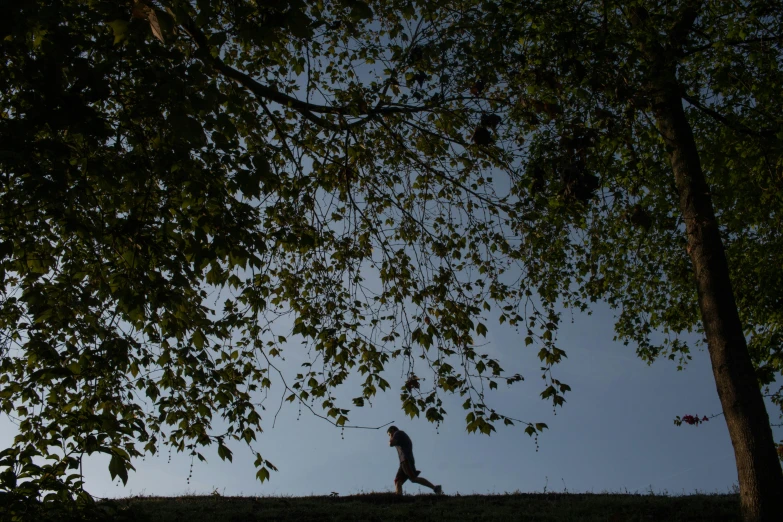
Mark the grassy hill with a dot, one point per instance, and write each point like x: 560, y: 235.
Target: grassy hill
x: 550, y: 507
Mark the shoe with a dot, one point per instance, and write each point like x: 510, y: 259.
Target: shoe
x: 438, y: 490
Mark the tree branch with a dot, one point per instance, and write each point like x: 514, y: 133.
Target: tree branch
x: 309, y: 110
x: 258, y: 89
x: 682, y: 27
x: 737, y: 126
x: 760, y: 39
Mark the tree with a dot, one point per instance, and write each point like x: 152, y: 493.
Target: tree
x: 183, y: 179
x: 652, y: 174
x: 178, y: 178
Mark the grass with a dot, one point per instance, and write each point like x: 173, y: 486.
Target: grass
x: 550, y: 507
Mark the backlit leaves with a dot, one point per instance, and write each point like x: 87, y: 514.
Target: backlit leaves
x: 192, y: 192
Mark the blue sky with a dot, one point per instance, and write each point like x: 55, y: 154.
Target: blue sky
x: 615, y: 433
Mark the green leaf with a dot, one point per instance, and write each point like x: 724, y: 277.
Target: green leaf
x: 224, y: 453
x: 120, y: 30
x: 262, y: 474
x: 481, y: 329
x: 117, y: 468
x: 198, y: 339
x: 360, y: 10
x: 164, y: 358
x: 188, y: 128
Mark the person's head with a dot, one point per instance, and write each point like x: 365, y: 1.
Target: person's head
x: 392, y: 430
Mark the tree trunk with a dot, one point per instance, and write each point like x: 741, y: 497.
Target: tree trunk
x: 758, y: 468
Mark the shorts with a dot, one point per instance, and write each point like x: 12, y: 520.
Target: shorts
x: 402, y: 476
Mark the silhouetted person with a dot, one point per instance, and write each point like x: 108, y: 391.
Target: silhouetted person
x: 407, y: 470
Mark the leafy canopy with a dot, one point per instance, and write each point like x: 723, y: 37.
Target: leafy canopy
x: 595, y: 199
x: 183, y: 181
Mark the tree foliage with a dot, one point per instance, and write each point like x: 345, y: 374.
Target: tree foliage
x: 183, y: 181
x: 179, y: 178
x: 597, y: 187
x: 653, y: 167
x: 582, y: 88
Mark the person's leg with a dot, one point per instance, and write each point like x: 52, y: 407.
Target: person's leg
x: 399, y: 480
x: 412, y: 474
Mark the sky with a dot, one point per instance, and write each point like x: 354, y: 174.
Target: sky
x: 614, y: 434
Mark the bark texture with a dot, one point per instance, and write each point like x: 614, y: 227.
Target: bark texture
x: 758, y: 468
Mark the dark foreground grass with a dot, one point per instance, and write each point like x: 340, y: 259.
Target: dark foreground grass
x: 550, y: 507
